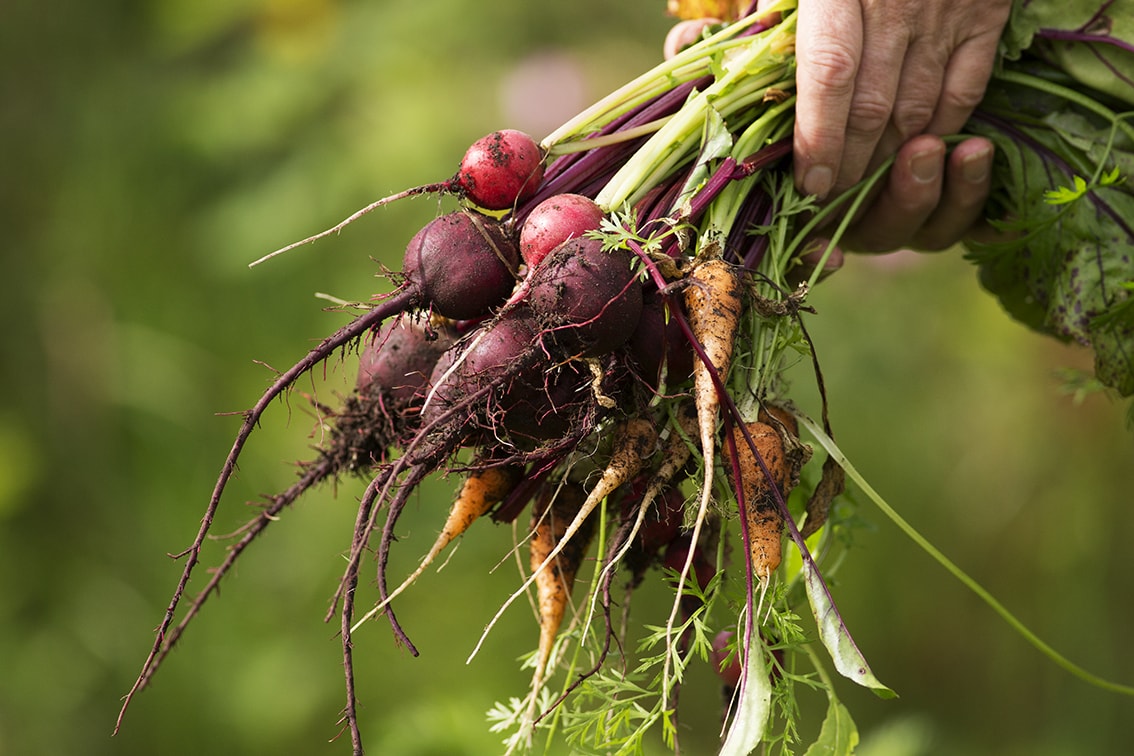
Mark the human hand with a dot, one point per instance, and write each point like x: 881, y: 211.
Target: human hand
x: 881, y: 78
x: 886, y: 78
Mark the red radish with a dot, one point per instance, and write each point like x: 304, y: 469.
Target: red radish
x: 554, y: 221
x: 501, y: 169
x: 498, y: 171
x: 726, y: 661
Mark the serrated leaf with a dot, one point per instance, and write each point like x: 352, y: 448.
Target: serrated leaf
x: 1064, y: 194
x: 838, y: 736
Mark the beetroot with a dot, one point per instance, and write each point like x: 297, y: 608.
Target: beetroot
x: 488, y: 357
x: 589, y: 298
x: 658, y: 341
x: 554, y: 221
x: 462, y: 263
x: 725, y: 664
x: 540, y: 405
x: 399, y: 358
x: 501, y: 169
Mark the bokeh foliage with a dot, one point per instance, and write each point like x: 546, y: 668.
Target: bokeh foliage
x: 151, y: 150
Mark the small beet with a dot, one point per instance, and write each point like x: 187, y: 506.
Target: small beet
x: 541, y: 405
x: 658, y: 342
x: 463, y: 263
x: 400, y: 357
x: 590, y: 298
x: 726, y: 665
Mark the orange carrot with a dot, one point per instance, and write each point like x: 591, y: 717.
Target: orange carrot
x: 634, y: 442
x: 554, y: 582
x: 764, y: 519
x: 714, y: 301
x: 830, y: 482
x: 480, y: 491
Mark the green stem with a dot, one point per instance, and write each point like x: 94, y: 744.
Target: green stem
x: 687, y: 65
x: 1071, y: 95
x: 827, y: 443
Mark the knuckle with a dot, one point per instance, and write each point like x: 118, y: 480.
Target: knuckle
x: 869, y: 114
x: 962, y: 98
x: 832, y: 66
x: 910, y: 117
x: 934, y: 240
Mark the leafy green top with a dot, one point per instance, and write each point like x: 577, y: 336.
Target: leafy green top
x: 1061, y: 188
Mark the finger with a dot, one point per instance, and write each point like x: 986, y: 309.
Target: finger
x: 907, y: 200
x: 968, y: 174
x: 966, y: 78
x: 885, y: 41
x: 919, y: 90
x: 685, y: 33
x: 828, y: 52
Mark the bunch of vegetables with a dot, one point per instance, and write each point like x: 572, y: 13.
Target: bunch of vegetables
x: 599, y: 331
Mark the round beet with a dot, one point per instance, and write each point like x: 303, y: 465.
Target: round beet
x: 541, y: 405
x: 589, y: 298
x: 657, y: 342
x: 463, y: 263
x: 501, y: 169
x: 554, y: 221
x: 489, y: 358
x: 400, y: 357
x: 725, y: 664
x: 499, y: 347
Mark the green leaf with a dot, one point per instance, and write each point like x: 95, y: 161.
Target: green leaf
x: 1065, y: 195
x: 753, y: 705
x: 1070, y: 250
x: 838, y: 736
x: 716, y: 143
x: 1092, y: 62
x: 848, y: 660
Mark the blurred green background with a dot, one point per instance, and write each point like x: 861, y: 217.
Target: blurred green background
x: 150, y: 150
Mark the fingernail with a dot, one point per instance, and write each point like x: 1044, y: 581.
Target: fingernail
x: 818, y: 180
x: 925, y: 166
x: 974, y: 167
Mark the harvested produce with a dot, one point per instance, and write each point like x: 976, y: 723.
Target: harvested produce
x: 601, y: 330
